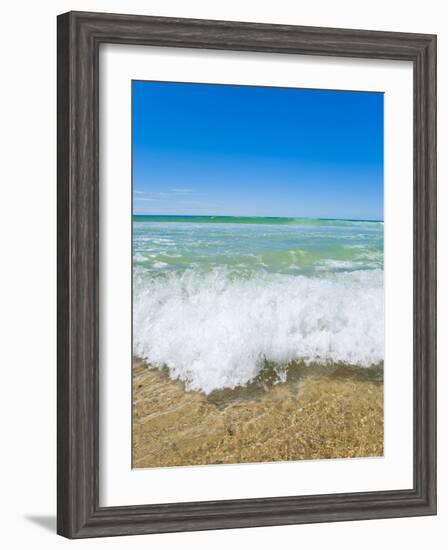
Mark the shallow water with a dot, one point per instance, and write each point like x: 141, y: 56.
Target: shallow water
x: 318, y: 415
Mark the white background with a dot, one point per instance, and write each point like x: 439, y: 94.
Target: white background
x: 28, y: 272
x: 119, y: 484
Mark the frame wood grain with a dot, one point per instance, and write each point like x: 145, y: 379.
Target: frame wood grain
x: 79, y: 37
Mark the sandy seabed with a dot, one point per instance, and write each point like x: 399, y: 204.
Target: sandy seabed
x: 319, y: 412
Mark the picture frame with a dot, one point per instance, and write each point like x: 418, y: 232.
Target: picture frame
x: 80, y: 35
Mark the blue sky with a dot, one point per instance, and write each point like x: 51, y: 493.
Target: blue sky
x: 203, y: 149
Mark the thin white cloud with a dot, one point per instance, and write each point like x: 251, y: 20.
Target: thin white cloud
x: 178, y: 200
x: 153, y: 194
x: 194, y: 203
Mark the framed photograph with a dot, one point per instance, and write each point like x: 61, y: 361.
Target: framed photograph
x: 246, y: 274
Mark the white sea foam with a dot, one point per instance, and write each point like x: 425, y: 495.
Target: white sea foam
x: 212, y: 330
x: 325, y: 265
x: 159, y: 265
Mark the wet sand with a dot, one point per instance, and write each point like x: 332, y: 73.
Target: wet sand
x: 319, y: 412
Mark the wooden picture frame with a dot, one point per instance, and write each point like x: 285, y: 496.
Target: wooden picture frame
x: 79, y: 37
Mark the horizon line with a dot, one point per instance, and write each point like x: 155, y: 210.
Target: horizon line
x: 258, y: 216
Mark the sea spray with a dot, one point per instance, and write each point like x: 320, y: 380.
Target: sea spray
x: 213, y: 329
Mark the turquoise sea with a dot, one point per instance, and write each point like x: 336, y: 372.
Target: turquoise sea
x: 216, y: 296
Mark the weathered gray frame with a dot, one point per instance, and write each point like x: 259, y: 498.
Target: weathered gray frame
x: 79, y: 37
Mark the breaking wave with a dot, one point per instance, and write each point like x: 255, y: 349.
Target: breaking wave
x: 214, y: 329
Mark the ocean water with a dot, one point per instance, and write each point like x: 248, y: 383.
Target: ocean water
x: 214, y: 298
